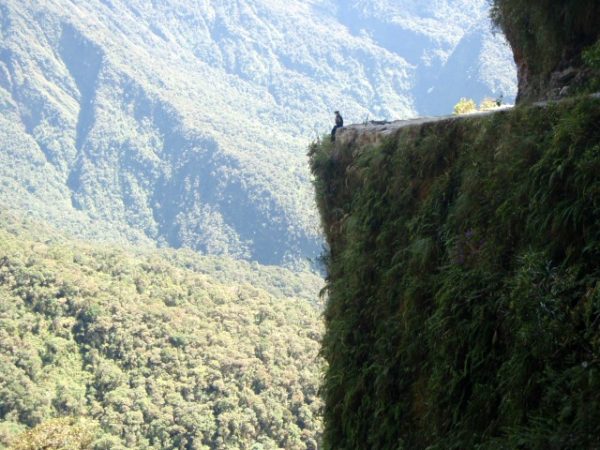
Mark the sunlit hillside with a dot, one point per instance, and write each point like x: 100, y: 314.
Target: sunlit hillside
x: 153, y: 350
x: 184, y: 123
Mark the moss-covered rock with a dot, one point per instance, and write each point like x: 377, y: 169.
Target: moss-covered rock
x: 547, y: 38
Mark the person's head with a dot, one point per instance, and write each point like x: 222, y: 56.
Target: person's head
x: 337, y: 113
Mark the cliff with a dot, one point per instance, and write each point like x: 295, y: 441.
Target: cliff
x: 549, y: 39
x: 464, y: 289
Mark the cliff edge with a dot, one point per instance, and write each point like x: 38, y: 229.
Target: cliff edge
x: 463, y: 276
x: 464, y: 289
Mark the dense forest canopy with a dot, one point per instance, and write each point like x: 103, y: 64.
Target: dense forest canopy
x: 150, y: 349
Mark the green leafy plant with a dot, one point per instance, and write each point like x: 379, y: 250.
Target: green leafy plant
x: 591, y: 56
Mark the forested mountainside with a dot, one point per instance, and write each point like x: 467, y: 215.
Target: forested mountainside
x: 120, y: 348
x: 184, y: 123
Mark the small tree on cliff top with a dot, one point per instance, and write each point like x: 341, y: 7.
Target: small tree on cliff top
x: 465, y: 106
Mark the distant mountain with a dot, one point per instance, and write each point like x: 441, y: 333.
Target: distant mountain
x: 450, y: 45
x: 184, y: 122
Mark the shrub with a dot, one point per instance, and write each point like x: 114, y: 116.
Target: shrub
x: 65, y: 433
x: 465, y: 106
x: 488, y: 104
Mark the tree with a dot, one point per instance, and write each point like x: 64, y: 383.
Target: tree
x: 66, y: 433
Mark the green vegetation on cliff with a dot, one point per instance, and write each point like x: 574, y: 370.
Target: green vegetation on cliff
x: 464, y: 284
x: 548, y: 38
x: 149, y: 351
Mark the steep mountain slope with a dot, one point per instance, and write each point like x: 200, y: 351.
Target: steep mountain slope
x: 184, y: 122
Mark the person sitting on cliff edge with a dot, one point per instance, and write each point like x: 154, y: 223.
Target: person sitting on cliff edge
x: 339, y: 123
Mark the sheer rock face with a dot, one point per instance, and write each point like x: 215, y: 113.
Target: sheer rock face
x: 547, y: 39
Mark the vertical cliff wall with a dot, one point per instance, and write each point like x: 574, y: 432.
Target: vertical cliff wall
x: 548, y: 38
x: 464, y: 285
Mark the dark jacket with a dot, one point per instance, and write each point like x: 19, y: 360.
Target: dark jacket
x: 339, y: 121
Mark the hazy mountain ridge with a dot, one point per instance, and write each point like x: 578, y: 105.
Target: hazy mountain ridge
x: 185, y: 122
x: 450, y: 43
